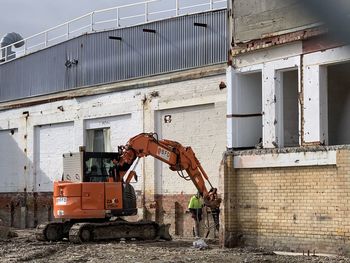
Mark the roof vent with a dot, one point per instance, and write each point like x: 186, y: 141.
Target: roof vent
x: 9, y: 39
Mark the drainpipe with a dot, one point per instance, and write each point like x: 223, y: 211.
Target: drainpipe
x: 229, y: 116
x: 24, y: 204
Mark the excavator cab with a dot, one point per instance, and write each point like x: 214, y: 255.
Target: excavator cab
x: 89, y: 188
x: 98, y: 167
x: 88, y: 166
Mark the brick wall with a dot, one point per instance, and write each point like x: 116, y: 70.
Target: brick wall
x: 25, y: 209
x: 289, y: 208
x: 172, y: 209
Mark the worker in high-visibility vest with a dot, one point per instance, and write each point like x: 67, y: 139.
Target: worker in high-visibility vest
x: 195, y: 206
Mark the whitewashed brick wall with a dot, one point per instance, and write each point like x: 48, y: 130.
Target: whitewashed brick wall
x: 127, y: 113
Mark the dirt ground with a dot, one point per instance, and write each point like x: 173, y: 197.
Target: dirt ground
x: 25, y: 248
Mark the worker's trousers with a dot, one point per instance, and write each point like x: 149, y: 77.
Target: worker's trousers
x: 196, y: 228
x: 197, y: 216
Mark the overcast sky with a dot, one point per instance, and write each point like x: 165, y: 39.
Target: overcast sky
x: 29, y: 17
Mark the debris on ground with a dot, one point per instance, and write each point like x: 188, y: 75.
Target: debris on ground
x: 6, y: 232
x: 25, y: 248
x: 200, y: 243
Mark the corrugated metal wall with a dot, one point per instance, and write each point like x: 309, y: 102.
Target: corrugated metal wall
x: 176, y: 45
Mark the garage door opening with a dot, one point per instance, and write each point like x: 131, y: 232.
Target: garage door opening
x: 338, y: 104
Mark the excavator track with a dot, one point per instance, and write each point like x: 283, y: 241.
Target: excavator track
x: 113, y: 230
x: 53, y: 231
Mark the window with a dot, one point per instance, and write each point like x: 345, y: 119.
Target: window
x: 98, y: 140
x: 97, y: 166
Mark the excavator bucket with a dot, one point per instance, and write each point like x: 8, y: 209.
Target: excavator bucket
x: 212, y: 203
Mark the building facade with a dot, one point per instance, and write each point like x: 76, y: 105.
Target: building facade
x: 286, y: 180
x: 98, y: 92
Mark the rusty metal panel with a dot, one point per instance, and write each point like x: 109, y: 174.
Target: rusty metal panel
x: 175, y: 44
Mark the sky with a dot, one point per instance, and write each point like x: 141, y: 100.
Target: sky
x: 28, y: 17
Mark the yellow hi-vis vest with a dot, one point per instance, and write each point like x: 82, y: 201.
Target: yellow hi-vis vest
x: 195, y: 203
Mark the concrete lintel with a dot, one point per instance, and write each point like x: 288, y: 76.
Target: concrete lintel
x: 330, y: 56
x: 190, y: 102
x: 295, y: 159
x: 268, y: 55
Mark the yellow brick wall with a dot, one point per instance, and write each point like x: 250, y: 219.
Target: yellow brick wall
x: 289, y: 208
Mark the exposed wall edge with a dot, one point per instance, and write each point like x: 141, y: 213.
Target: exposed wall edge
x: 276, y: 40
x: 143, y: 82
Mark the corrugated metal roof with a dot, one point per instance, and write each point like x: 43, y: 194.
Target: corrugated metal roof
x: 176, y: 45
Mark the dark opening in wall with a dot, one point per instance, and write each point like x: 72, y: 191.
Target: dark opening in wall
x: 290, y: 109
x: 339, y: 104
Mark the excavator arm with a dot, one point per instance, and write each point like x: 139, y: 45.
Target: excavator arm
x: 178, y: 157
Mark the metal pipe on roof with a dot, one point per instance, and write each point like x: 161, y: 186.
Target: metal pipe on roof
x: 7, y: 41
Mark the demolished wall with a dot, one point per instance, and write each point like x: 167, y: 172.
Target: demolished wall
x: 288, y: 208
x: 292, y: 199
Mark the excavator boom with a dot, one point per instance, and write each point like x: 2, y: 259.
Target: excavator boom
x: 178, y: 157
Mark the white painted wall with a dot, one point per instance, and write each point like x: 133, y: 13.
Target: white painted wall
x: 122, y: 128
x: 57, y: 127
x: 273, y: 129
x: 320, y: 119
x: 200, y: 127
x: 292, y: 159
x: 315, y: 91
x: 51, y: 142
x: 315, y: 104
x: 272, y: 98
x: 12, y: 162
x: 121, y: 125
x: 278, y: 118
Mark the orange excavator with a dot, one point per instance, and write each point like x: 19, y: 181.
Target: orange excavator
x: 95, y: 192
